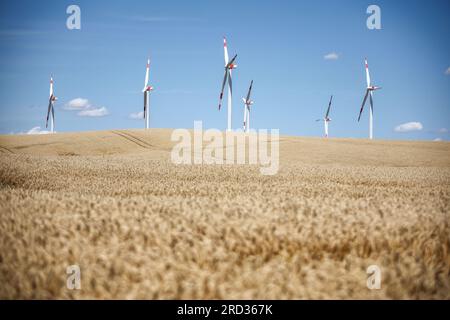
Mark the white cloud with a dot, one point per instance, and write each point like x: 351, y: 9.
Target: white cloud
x: 409, y: 126
x: 137, y: 115
x: 85, y: 108
x: 331, y: 56
x: 447, y: 72
x: 37, y: 130
x: 93, y: 112
x: 437, y: 139
x: 77, y: 104
x: 442, y: 130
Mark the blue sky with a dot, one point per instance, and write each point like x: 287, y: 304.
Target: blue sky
x: 280, y: 45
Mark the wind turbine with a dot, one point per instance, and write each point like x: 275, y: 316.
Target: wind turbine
x: 229, y: 65
x: 326, y: 119
x: 369, y: 90
x: 146, y: 90
x: 247, y: 104
x: 51, y: 102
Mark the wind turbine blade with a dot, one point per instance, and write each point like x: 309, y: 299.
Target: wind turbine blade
x: 364, y: 102
x: 371, y: 101
x: 145, y: 104
x: 367, y: 73
x: 48, y: 111
x: 249, y: 91
x: 231, y: 62
x: 53, y: 114
x: 51, y: 86
x: 230, y: 83
x: 329, y: 106
x: 223, y: 86
x: 225, y: 50
x: 147, y: 70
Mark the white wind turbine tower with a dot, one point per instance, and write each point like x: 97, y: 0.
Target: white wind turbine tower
x: 229, y: 65
x: 247, y: 104
x: 369, y: 90
x: 146, y: 90
x: 51, y: 108
x: 326, y: 119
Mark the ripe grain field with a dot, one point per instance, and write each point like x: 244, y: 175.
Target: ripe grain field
x: 140, y: 227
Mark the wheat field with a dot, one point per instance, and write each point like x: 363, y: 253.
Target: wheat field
x: 140, y: 227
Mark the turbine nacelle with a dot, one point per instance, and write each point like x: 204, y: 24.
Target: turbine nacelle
x: 147, y: 89
x: 247, y: 102
x: 373, y: 88
x: 231, y: 65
